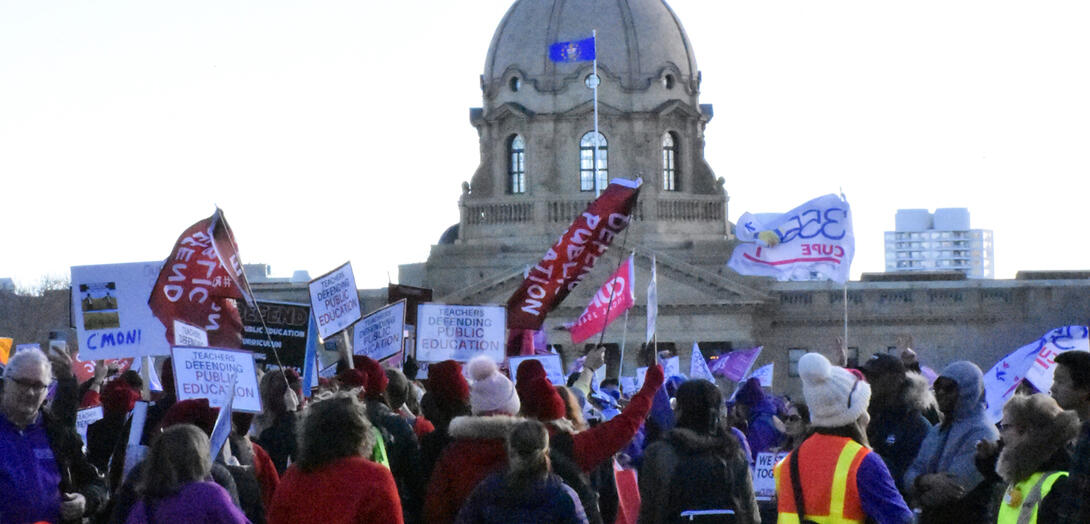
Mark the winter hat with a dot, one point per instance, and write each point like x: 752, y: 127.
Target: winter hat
x: 445, y: 381
x: 491, y: 391
x: 353, y: 378
x: 835, y: 396
x: 751, y: 393
x: 118, y: 397
x: 881, y: 364
x: 194, y: 411
x: 376, y: 376
x: 539, y: 398
x: 529, y: 369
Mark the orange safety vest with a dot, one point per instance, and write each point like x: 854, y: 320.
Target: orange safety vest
x: 828, y: 473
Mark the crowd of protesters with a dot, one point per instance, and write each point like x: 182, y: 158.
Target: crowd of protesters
x: 482, y: 444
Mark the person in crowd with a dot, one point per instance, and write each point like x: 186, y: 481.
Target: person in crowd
x: 402, y: 447
x: 834, y: 476
x: 478, y: 447
x: 399, y: 396
x: 1034, y: 460
x: 333, y: 482
x: 897, y: 425
x: 447, y: 397
x: 155, y: 412
x: 251, y: 455
x: 759, y: 411
x: 44, y: 475
x: 698, y: 465
x: 527, y: 491
x: 174, y: 488
x: 943, y: 479
x: 118, y: 399
x: 275, y: 426
x: 1071, y: 389
x: 796, y: 422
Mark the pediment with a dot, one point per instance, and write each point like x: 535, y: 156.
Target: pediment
x: 676, y: 107
x: 509, y: 109
x: 587, y: 108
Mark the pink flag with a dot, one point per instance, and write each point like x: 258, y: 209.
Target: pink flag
x: 735, y: 364
x: 612, y: 299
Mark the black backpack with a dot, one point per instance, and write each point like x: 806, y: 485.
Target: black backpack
x: 701, y: 481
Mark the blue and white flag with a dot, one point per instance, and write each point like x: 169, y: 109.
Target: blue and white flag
x: 574, y: 51
x: 698, y: 367
x: 310, y: 360
x: 222, y: 429
x: 1033, y: 362
x: 814, y: 238
x: 764, y: 374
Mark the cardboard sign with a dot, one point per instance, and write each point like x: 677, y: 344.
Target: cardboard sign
x: 85, y: 369
x: 554, y: 370
x: 111, y: 313
x: 209, y: 372
x: 335, y: 300
x: 288, y: 326
x: 380, y: 334
x: 86, y: 417
x: 187, y: 335
x: 460, y: 332
x: 764, y: 478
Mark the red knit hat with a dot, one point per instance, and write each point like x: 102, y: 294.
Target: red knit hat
x: 446, y: 381
x: 118, y: 397
x: 540, y: 399
x: 376, y: 376
x: 353, y: 378
x: 529, y: 369
x: 194, y: 411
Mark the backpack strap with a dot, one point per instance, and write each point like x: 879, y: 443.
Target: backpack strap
x: 796, y: 485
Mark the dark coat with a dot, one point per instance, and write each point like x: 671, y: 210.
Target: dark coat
x: 545, y: 502
x: 896, y: 431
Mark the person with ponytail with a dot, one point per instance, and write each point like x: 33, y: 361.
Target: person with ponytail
x: 697, y: 466
x: 527, y: 491
x: 833, y: 476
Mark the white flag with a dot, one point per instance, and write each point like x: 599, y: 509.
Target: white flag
x: 815, y: 237
x: 652, y: 302
x: 764, y: 374
x: 698, y: 367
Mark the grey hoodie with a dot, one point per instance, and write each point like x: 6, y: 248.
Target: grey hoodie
x: 952, y: 449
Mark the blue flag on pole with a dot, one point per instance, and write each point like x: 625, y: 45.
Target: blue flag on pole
x: 575, y: 51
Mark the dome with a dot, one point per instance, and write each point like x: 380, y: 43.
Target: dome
x: 639, y: 41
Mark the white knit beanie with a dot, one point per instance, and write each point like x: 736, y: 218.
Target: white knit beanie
x: 834, y: 395
x: 490, y: 390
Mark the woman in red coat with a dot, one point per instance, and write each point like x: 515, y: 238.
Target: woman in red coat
x: 332, y: 483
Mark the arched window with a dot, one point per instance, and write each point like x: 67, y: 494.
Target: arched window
x: 516, y: 165
x: 586, y: 162
x: 669, y: 161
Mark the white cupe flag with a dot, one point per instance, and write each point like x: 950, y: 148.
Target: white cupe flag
x: 764, y: 374
x: 698, y: 367
x: 652, y: 301
x: 1034, y: 362
x: 814, y: 238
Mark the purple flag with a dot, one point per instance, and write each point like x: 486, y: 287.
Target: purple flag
x: 736, y: 364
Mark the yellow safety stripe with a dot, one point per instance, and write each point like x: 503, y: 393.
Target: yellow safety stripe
x: 840, y: 479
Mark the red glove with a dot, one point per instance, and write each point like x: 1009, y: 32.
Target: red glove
x: 653, y: 380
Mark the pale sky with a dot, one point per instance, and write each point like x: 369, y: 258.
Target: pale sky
x: 339, y: 130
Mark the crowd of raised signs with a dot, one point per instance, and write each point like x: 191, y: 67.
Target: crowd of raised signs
x: 476, y: 443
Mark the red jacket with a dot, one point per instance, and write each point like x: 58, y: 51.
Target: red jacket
x: 477, y: 450
x: 346, y: 491
x: 266, y: 474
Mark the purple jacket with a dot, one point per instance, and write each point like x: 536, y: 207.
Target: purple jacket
x: 197, y: 502
x: 29, y: 477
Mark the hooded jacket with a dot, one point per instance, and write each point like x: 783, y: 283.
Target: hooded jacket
x: 896, y: 431
x: 951, y: 449
x: 663, y: 457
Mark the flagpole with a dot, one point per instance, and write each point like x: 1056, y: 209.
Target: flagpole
x: 597, y: 143
x: 845, y: 317
x: 624, y: 336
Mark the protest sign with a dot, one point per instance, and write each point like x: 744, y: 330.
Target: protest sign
x: 111, y: 313
x: 641, y: 373
x: 460, y: 332
x: 335, y: 300
x: 200, y: 281
x: 187, y: 335
x: 815, y: 237
x: 616, y: 296
x: 413, y: 296
x: 210, y: 372
x: 1033, y: 362
x: 698, y: 367
x: 554, y: 369
x: 573, y: 256
x: 328, y: 371
x: 1059, y: 340
x: 671, y: 367
x: 24, y: 347
x: 380, y: 333
x: 5, y: 349
x: 86, y: 417
x: 85, y: 369
x: 764, y: 478
x: 628, y: 385
x: 288, y: 327
x: 764, y: 374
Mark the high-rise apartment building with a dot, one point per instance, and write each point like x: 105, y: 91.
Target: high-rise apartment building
x: 939, y: 241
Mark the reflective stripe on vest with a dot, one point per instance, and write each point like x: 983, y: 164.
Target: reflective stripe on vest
x: 1020, y: 501
x: 849, y: 455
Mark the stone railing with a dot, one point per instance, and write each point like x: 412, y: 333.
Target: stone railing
x: 691, y: 209
x: 502, y: 213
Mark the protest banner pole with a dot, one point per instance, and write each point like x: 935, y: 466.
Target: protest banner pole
x: 346, y: 350
x: 845, y: 345
x: 624, y: 336
x: 597, y: 143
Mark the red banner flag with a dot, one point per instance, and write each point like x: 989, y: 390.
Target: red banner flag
x: 573, y: 256
x: 612, y: 299
x: 195, y: 285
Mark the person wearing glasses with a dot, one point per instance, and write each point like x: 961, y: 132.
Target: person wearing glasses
x: 834, y: 476
x: 44, y: 475
x: 943, y: 479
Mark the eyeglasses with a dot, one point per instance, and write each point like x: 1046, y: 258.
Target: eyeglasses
x: 792, y: 418
x: 30, y: 385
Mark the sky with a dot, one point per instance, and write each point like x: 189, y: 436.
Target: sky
x: 339, y: 131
